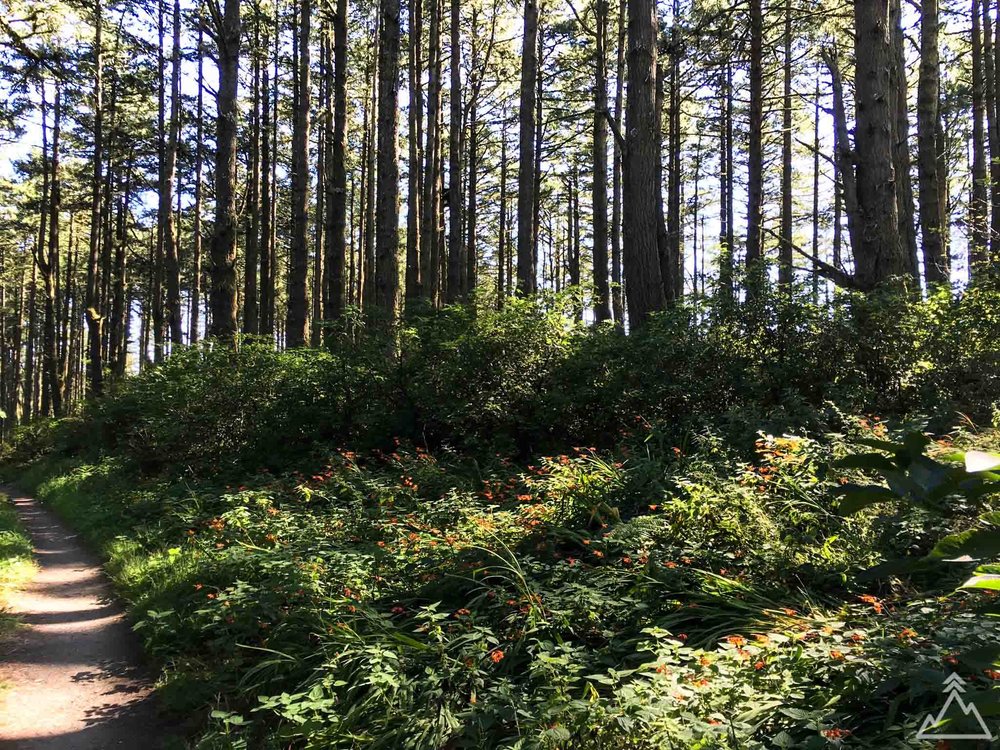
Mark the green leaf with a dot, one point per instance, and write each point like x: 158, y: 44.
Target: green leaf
x: 882, y: 445
x: 977, y: 461
x: 866, y: 462
x: 976, y: 543
x: 855, y: 497
x: 915, y: 443
x: 983, y: 581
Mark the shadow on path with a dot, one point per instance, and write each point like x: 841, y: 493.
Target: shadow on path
x: 73, y: 672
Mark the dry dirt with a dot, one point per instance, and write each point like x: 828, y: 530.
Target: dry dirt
x: 73, y: 674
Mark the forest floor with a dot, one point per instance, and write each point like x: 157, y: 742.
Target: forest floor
x: 72, y: 672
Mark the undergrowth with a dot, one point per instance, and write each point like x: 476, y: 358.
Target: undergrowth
x: 519, y: 533
x: 16, y: 561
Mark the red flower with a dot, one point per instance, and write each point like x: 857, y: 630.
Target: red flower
x: 836, y: 734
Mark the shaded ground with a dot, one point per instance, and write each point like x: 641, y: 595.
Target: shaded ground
x: 73, y: 676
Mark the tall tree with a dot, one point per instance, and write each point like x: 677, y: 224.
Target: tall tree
x: 168, y: 174
x: 644, y: 286
x: 251, y: 307
x: 755, y: 168
x: 415, y: 142
x: 387, y: 190
x: 617, y: 306
x: 223, y: 253
x: 94, y: 320
x: 526, y: 161
x: 901, y: 137
x: 879, y: 254
x: 199, y: 156
x: 430, y: 201
x: 456, y: 275
x: 928, y: 103
x: 787, y: 240
x: 599, y: 155
x: 336, y: 183
x: 979, y: 206
x: 298, y: 266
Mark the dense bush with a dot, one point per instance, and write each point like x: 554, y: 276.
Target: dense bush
x: 527, y: 379
x: 515, y: 531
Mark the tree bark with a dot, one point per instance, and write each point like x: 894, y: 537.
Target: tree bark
x: 95, y: 322
x: 336, y: 236
x: 503, y: 285
x: 251, y: 307
x: 415, y: 138
x: 599, y: 185
x: 880, y: 255
x: 979, y: 208
x: 785, y: 274
x: 195, y: 318
x: 223, y: 252
x: 431, y: 199
x: 298, y: 265
x: 755, y: 167
x: 928, y: 103
x: 644, y: 286
x: 993, y: 126
x: 455, y: 283
x: 901, y: 137
x: 168, y: 176
x: 526, y: 161
x: 617, y: 303
x: 387, y: 197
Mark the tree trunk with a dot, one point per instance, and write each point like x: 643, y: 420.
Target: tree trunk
x: 928, y: 103
x: 901, y: 138
x: 503, y: 281
x: 674, y: 289
x: 617, y: 305
x: 599, y: 184
x: 387, y: 198
x: 336, y: 239
x: 644, y: 290
x: 323, y: 138
x: 431, y: 199
x: 368, y: 260
x: 455, y: 291
x: 815, y: 195
x: 298, y: 265
x: 167, y: 178
x: 755, y: 167
x: 415, y: 138
x: 785, y: 273
x: 880, y: 255
x: 993, y: 126
x: 119, y: 310
x: 472, y: 207
x: 94, y: 320
x: 526, y: 161
x: 48, y: 263
x: 727, y: 291
x: 664, y: 246
x: 223, y: 290
x: 267, y: 156
x: 251, y: 308
x: 30, y: 392
x: 979, y: 208
x: 199, y: 158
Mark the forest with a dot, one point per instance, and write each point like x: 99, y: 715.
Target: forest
x: 568, y: 374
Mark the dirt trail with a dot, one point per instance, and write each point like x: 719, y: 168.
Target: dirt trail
x: 73, y: 672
